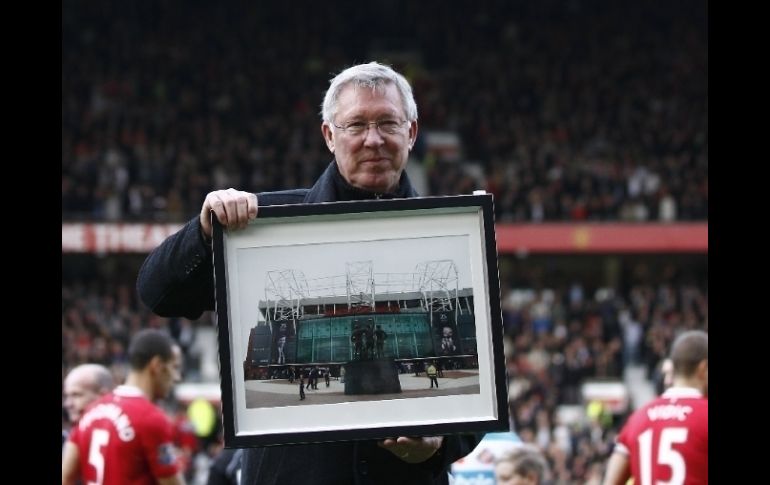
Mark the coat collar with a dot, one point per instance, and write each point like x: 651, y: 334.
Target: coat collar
x: 332, y: 187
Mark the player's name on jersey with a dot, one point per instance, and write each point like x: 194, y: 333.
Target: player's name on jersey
x: 661, y: 412
x: 115, y: 415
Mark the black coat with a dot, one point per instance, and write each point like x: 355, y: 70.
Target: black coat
x: 176, y: 279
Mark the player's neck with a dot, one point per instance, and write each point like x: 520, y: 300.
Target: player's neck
x: 691, y: 383
x: 141, y: 382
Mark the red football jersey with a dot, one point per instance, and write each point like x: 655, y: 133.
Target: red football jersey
x: 123, y: 438
x: 667, y: 440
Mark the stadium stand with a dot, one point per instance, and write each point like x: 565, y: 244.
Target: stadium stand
x: 563, y: 112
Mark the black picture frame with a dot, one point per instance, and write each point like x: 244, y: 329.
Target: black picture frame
x: 297, y: 290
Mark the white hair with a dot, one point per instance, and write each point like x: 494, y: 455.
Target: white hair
x: 372, y: 75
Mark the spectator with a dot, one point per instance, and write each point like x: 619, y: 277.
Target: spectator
x: 523, y: 465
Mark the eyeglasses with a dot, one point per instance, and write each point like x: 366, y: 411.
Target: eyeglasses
x: 385, y: 127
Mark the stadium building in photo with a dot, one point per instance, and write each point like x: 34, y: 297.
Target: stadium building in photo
x: 424, y: 315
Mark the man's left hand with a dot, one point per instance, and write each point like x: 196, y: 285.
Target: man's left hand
x: 413, y: 450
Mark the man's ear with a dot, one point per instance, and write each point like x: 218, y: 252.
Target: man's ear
x: 703, y: 368
x: 413, y: 128
x: 328, y: 136
x: 156, y: 364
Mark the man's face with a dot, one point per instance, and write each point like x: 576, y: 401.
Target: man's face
x: 171, y: 373
x: 447, y: 332
x: 372, y: 160
x: 79, y: 392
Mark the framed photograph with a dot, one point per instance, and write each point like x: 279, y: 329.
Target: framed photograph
x: 360, y: 320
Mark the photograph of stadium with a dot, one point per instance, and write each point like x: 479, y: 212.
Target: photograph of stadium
x: 371, y: 336
x: 354, y: 321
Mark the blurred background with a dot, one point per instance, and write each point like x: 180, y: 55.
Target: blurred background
x: 587, y: 120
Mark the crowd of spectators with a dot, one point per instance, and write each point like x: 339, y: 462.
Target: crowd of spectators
x: 557, y: 338
x: 580, y: 110
x: 101, y: 311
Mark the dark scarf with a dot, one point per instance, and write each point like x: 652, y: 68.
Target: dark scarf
x: 332, y: 187
x: 344, y: 191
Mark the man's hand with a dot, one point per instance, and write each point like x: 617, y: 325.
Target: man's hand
x: 232, y: 208
x: 413, y: 450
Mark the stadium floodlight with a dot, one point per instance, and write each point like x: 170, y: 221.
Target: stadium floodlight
x: 284, y: 292
x: 287, y: 291
x: 359, y: 279
x: 438, y: 282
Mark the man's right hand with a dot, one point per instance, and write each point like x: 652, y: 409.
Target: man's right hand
x: 232, y: 208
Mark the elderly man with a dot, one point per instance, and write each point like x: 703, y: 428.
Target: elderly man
x: 83, y: 385
x: 369, y: 125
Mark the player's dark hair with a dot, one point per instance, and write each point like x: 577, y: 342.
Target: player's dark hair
x: 145, y: 345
